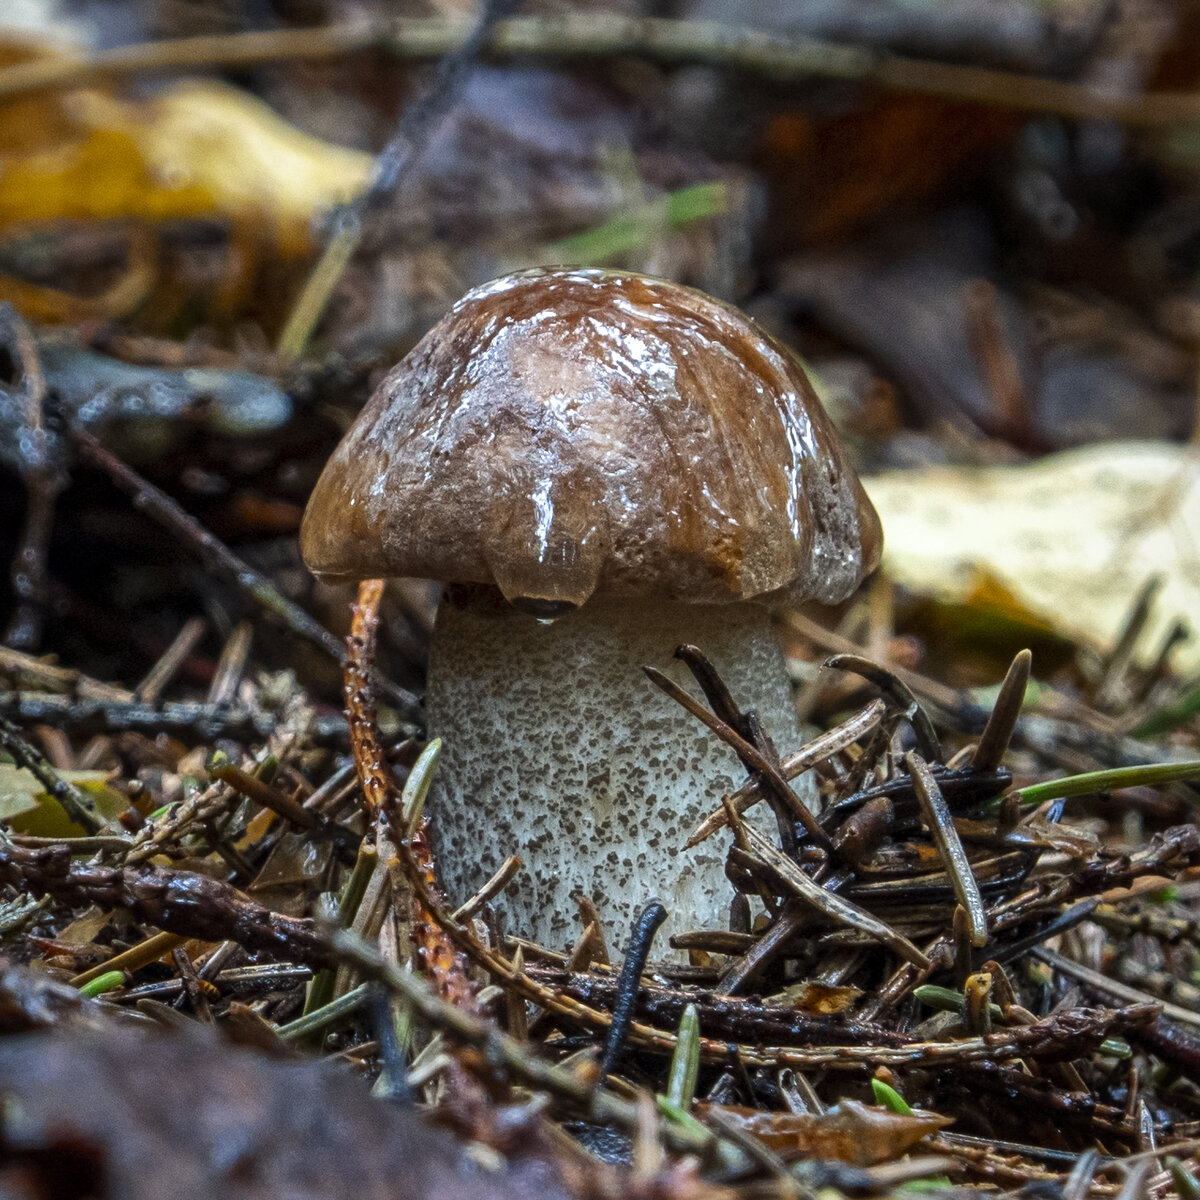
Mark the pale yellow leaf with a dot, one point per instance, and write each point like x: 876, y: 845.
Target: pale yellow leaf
x: 197, y: 149
x: 29, y: 808
x: 252, y: 163
x: 1072, y: 537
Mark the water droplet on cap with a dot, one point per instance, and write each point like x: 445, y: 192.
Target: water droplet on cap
x: 546, y: 610
x: 545, y: 546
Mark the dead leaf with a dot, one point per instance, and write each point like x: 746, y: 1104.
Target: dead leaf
x: 29, y: 808
x: 84, y: 928
x: 1072, y: 537
x: 197, y: 150
x: 850, y: 1132
x: 814, y: 997
x: 211, y: 140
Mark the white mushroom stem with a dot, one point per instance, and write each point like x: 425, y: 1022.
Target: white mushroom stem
x: 557, y: 748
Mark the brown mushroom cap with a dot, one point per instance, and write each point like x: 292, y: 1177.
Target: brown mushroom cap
x: 563, y: 431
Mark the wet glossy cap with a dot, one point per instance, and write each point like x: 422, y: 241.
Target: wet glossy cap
x: 563, y: 431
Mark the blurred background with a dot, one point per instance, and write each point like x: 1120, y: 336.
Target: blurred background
x: 979, y: 223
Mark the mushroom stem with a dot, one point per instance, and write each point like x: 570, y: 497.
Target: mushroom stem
x: 558, y: 749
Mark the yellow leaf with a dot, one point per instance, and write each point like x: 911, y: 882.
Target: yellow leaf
x: 211, y: 139
x: 198, y: 149
x: 28, y: 808
x: 1071, y: 538
x: 256, y: 828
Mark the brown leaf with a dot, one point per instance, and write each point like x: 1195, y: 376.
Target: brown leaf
x: 815, y: 998
x: 850, y: 1132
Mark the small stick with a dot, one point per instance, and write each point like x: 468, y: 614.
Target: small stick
x: 1171, y: 930
x: 494, y: 886
x: 145, y: 952
x: 941, y: 824
x: 78, y: 845
x: 344, y: 840
x: 1108, y: 687
x: 37, y: 456
x: 816, y: 751
x: 825, y: 901
x: 28, y: 670
x: 988, y: 337
x: 584, y: 951
x: 183, y: 719
x: 1111, y: 987
x: 213, y: 964
x: 751, y: 756
x: 514, y: 1005
x: 899, y: 693
x: 645, y: 926
x: 321, y: 1018
x: 791, y: 920
x: 191, y: 985
x: 433, y: 951
x: 784, y: 822
x: 329, y: 796
x: 175, y: 655
x: 1002, y: 720
x: 179, y: 902
x: 716, y: 941
x: 263, y: 975
x: 157, y: 504
x: 778, y: 794
x: 394, y: 1069
x: 962, y: 947
x: 418, y: 123
x: 715, y: 690
x: 600, y: 35
x: 231, y: 665
x: 590, y: 916
x: 938, y: 694
x: 378, y: 788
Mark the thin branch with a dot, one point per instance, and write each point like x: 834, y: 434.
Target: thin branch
x: 1112, y: 987
x: 318, y: 824
x: 822, y: 747
x: 193, y: 720
x: 358, y: 692
x: 38, y: 452
x: 899, y: 693
x: 752, y: 758
x: 179, y: 902
x: 172, y: 659
x: 418, y: 123
x: 778, y: 58
x: 157, y: 504
x: 827, y: 902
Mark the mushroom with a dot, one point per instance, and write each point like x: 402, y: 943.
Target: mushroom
x: 600, y: 465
